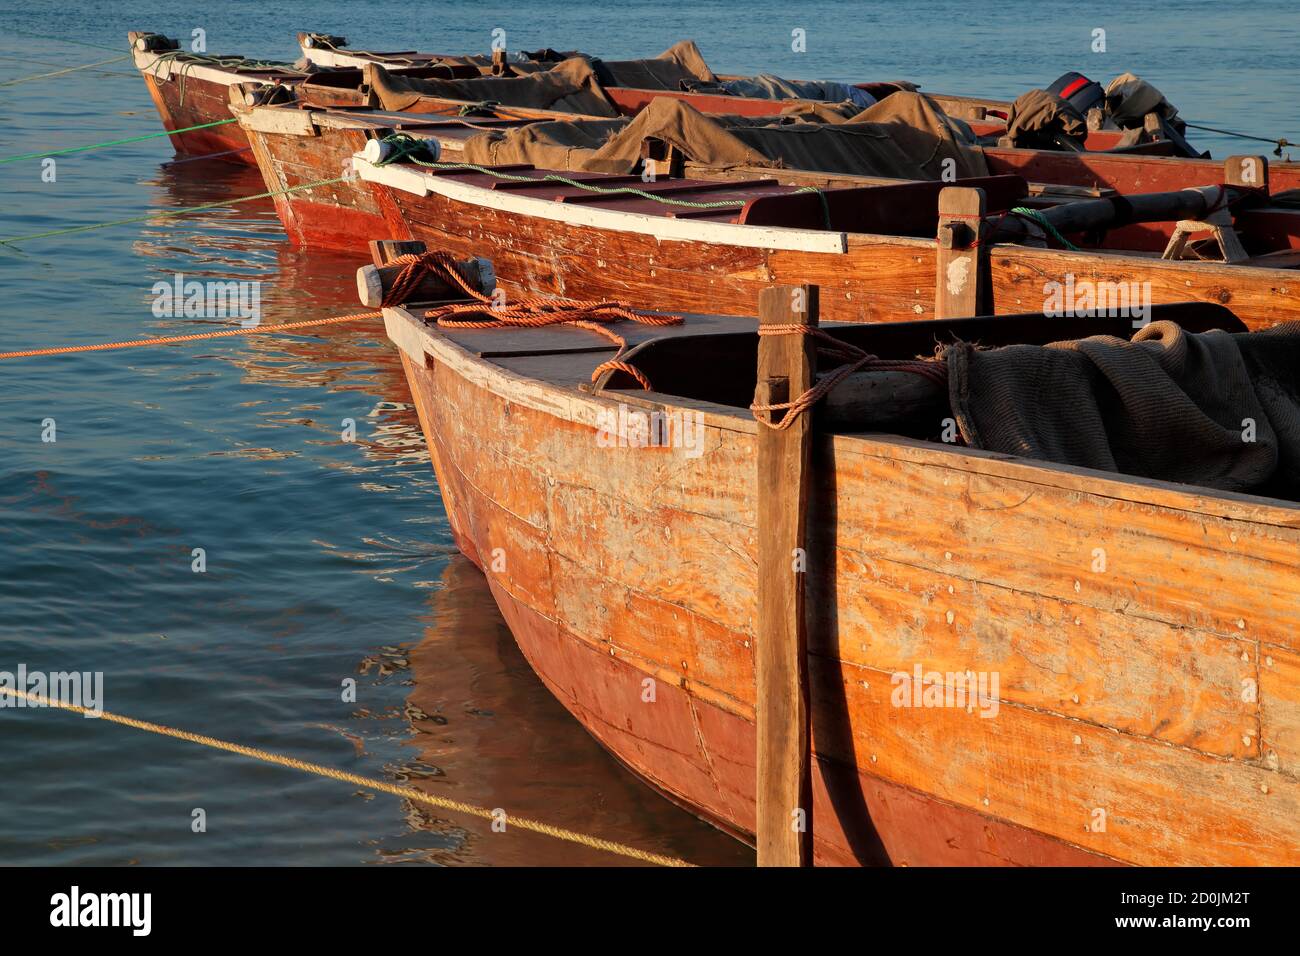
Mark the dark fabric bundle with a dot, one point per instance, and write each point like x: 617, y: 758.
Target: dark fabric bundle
x: 569, y: 87
x: 1216, y: 409
x: 903, y: 136
x: 1037, y: 117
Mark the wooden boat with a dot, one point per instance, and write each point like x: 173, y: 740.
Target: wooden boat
x: 192, y: 89
x: 1148, y: 715
x: 299, y: 144
x: 986, y: 116
x: 877, y: 261
x: 326, y: 50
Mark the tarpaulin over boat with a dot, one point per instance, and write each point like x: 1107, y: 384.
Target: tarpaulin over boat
x: 1037, y: 117
x: 677, y: 68
x: 1131, y: 98
x: 551, y: 145
x: 570, y: 87
x: 1217, y: 409
x: 766, y: 86
x: 902, y: 136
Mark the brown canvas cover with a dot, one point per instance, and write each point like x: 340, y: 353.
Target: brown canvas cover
x: 767, y: 86
x: 1168, y: 404
x: 1131, y: 98
x: 677, y: 68
x: 569, y: 87
x: 551, y: 145
x: 1035, y: 117
x: 925, y: 134
x: 886, y: 147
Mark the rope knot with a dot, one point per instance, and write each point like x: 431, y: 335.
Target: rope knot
x: 856, y: 360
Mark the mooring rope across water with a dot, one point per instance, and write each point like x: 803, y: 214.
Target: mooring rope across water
x: 113, y: 142
x: 193, y: 337
x: 169, y: 212
x: 71, y: 69
x: 382, y: 786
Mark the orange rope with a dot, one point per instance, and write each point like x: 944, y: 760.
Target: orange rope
x: 169, y: 339
x: 525, y: 312
x: 858, y: 359
x: 528, y: 312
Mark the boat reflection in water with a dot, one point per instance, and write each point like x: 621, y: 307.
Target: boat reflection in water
x: 486, y: 731
x: 476, y: 724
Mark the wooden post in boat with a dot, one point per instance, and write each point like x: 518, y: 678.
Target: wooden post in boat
x: 384, y: 251
x: 661, y: 158
x: 786, y: 369
x: 961, y: 281
x: 1246, y: 172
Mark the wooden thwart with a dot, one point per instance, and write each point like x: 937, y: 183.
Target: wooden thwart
x: 786, y: 369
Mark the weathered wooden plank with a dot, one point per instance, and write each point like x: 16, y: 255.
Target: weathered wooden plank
x: 1126, y: 797
x: 1135, y: 558
x: 961, y: 260
x: 1127, y: 673
x: 787, y: 365
x: 1279, y: 697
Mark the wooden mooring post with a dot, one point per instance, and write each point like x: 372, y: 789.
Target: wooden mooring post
x: 786, y: 369
x: 961, y: 281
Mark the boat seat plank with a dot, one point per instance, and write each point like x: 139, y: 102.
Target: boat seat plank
x: 652, y: 207
x: 711, y: 215
x: 560, y: 340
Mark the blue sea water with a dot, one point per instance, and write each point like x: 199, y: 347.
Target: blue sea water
x: 329, y: 559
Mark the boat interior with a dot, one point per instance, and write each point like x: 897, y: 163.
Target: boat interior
x: 708, y: 365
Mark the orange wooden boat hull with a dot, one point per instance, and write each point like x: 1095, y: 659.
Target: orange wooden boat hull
x: 201, y: 102
x: 696, y: 753
x: 1123, y: 734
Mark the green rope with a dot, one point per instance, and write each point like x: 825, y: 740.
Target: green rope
x: 169, y: 212
x: 114, y: 142
x: 71, y: 69
x: 192, y: 60
x: 407, y: 148
x: 1038, y: 217
x: 826, y: 206
x: 469, y: 108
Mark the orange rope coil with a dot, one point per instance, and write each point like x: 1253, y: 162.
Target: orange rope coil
x: 524, y: 312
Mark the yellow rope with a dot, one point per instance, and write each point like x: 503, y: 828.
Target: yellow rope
x: 409, y: 793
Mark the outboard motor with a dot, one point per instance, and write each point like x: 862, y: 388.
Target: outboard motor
x: 1080, y: 92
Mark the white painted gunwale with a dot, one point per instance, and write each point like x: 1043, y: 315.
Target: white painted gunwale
x: 151, y: 62
x: 332, y: 57
x: 420, y: 183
